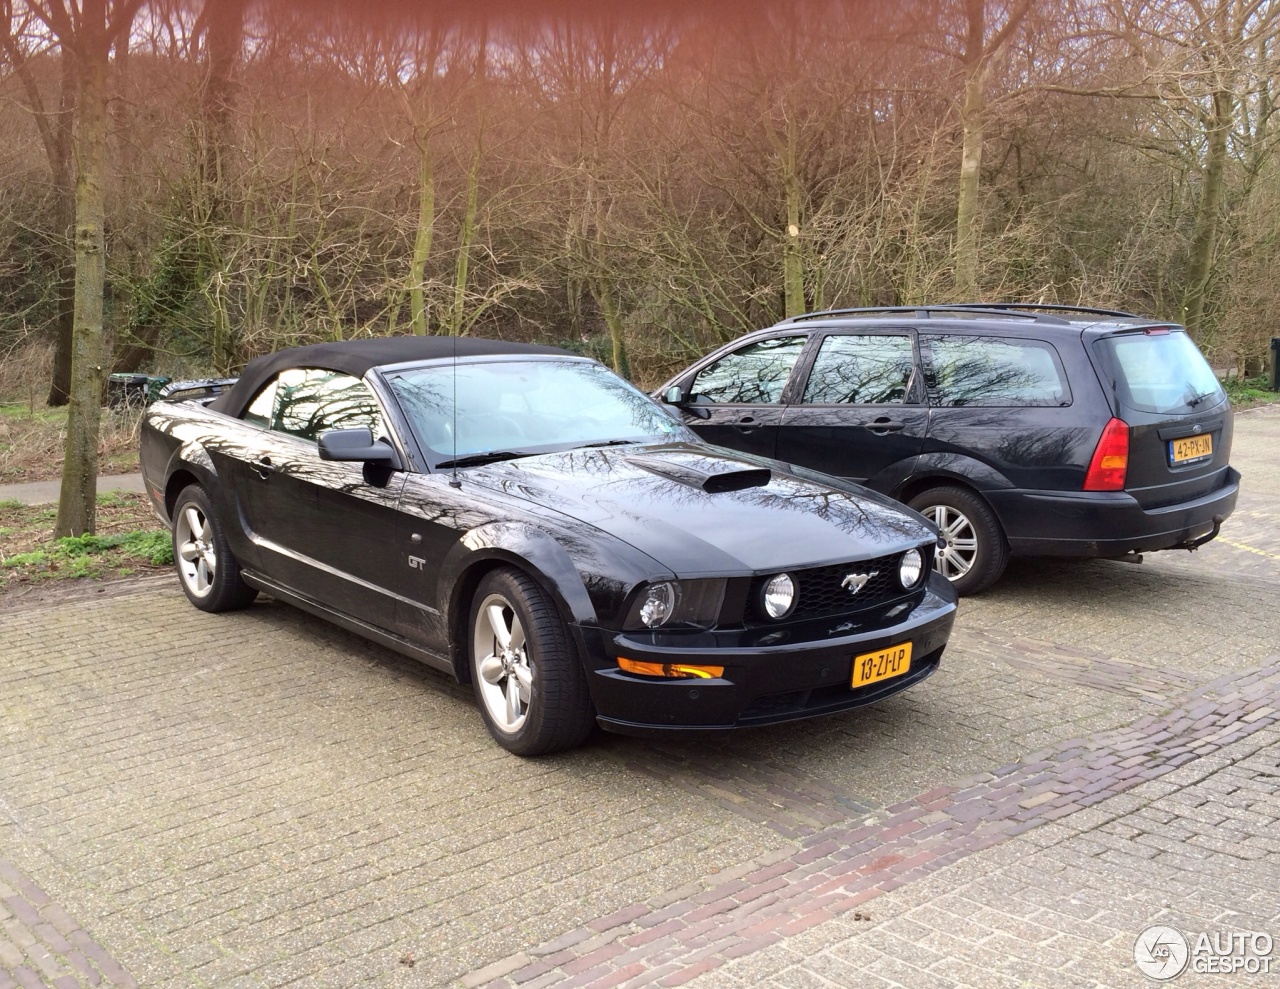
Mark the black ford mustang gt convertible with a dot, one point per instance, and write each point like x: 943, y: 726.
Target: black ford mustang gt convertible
x: 527, y: 521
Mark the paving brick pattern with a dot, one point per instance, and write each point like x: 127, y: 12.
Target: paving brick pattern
x: 1061, y: 905
x: 260, y: 800
x: 839, y: 870
x: 41, y: 945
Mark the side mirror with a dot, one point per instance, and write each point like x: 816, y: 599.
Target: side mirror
x: 356, y: 445
x: 674, y: 395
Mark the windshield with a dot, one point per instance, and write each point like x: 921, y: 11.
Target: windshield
x: 1163, y: 373
x: 522, y: 407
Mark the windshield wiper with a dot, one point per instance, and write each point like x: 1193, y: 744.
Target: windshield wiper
x: 476, y: 459
x: 592, y: 446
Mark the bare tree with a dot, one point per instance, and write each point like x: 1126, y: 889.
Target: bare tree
x: 22, y: 41
x: 988, y: 28
x: 87, y: 30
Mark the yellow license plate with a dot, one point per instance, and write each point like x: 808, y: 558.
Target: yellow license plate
x: 1190, y: 448
x: 882, y: 665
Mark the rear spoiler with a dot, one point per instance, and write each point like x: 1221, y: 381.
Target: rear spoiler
x: 204, y: 390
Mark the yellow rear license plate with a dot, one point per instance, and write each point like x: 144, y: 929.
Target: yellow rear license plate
x: 882, y: 665
x: 1190, y: 448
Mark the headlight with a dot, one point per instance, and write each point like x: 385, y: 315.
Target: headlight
x: 677, y: 602
x: 910, y: 568
x: 659, y: 603
x: 778, y: 596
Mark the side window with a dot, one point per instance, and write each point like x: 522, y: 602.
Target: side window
x: 860, y: 370
x: 309, y: 402
x: 992, y: 371
x: 259, y: 410
x: 754, y: 375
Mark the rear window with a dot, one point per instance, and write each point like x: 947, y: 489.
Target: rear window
x: 1163, y: 373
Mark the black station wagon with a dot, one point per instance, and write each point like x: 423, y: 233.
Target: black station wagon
x: 527, y: 521
x: 1024, y: 430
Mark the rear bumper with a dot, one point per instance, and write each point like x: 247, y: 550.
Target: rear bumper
x: 1090, y: 523
x: 764, y: 684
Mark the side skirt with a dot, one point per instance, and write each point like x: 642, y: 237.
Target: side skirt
x: 362, y: 629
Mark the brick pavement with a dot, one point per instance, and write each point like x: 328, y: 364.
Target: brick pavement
x: 838, y: 870
x: 41, y: 944
x: 261, y: 800
x: 1061, y: 905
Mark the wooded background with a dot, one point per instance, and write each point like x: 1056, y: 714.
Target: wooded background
x: 640, y: 182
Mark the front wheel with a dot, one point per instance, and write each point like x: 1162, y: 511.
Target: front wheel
x: 974, y: 552
x: 209, y: 574
x: 529, y: 685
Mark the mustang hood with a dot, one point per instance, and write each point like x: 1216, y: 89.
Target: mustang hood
x: 706, y: 511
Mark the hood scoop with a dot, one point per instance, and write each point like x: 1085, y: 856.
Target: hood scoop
x: 700, y: 472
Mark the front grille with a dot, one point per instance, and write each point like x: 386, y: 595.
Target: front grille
x: 821, y: 591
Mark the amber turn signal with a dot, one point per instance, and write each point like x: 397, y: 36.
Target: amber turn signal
x: 676, y: 671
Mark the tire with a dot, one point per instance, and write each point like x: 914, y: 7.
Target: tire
x: 207, y: 570
x: 530, y: 687
x: 975, y: 553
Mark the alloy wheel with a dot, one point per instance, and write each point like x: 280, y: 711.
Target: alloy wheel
x: 960, y: 550
x: 197, y: 559
x: 502, y: 661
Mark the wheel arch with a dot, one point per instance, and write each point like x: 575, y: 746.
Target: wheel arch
x: 189, y: 465
x: 955, y: 471
x: 181, y: 479
x: 532, y: 552
x: 919, y: 485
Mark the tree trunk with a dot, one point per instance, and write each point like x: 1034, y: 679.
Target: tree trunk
x: 792, y: 259
x: 967, y: 218
x: 602, y: 289
x: 971, y: 118
x: 422, y: 239
x: 1204, y: 239
x: 466, y: 235
x: 64, y: 213
x: 77, y: 501
x: 224, y: 37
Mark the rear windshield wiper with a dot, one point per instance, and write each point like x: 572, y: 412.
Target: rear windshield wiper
x: 476, y: 459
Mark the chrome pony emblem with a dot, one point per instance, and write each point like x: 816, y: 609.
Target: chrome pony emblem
x: 857, y: 581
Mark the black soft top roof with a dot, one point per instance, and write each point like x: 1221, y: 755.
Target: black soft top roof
x: 355, y: 357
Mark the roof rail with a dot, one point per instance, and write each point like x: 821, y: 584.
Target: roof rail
x: 925, y: 312
x: 1045, y: 307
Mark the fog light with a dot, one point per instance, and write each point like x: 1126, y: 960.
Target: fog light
x: 910, y: 568
x: 779, y: 596
x: 674, y: 671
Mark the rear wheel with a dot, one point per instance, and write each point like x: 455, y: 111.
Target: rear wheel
x: 529, y: 684
x: 209, y: 574
x: 974, y: 553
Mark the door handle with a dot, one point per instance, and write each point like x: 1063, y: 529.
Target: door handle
x: 884, y: 425
x: 263, y: 467
x: 747, y: 424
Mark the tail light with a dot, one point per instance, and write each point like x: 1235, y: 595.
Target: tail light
x: 1110, y: 461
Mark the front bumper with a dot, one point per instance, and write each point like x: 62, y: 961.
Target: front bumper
x: 799, y: 675
x: 1088, y: 524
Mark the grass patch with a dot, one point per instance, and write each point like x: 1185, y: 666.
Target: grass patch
x: 129, y: 541
x: 33, y: 438
x: 1246, y: 392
